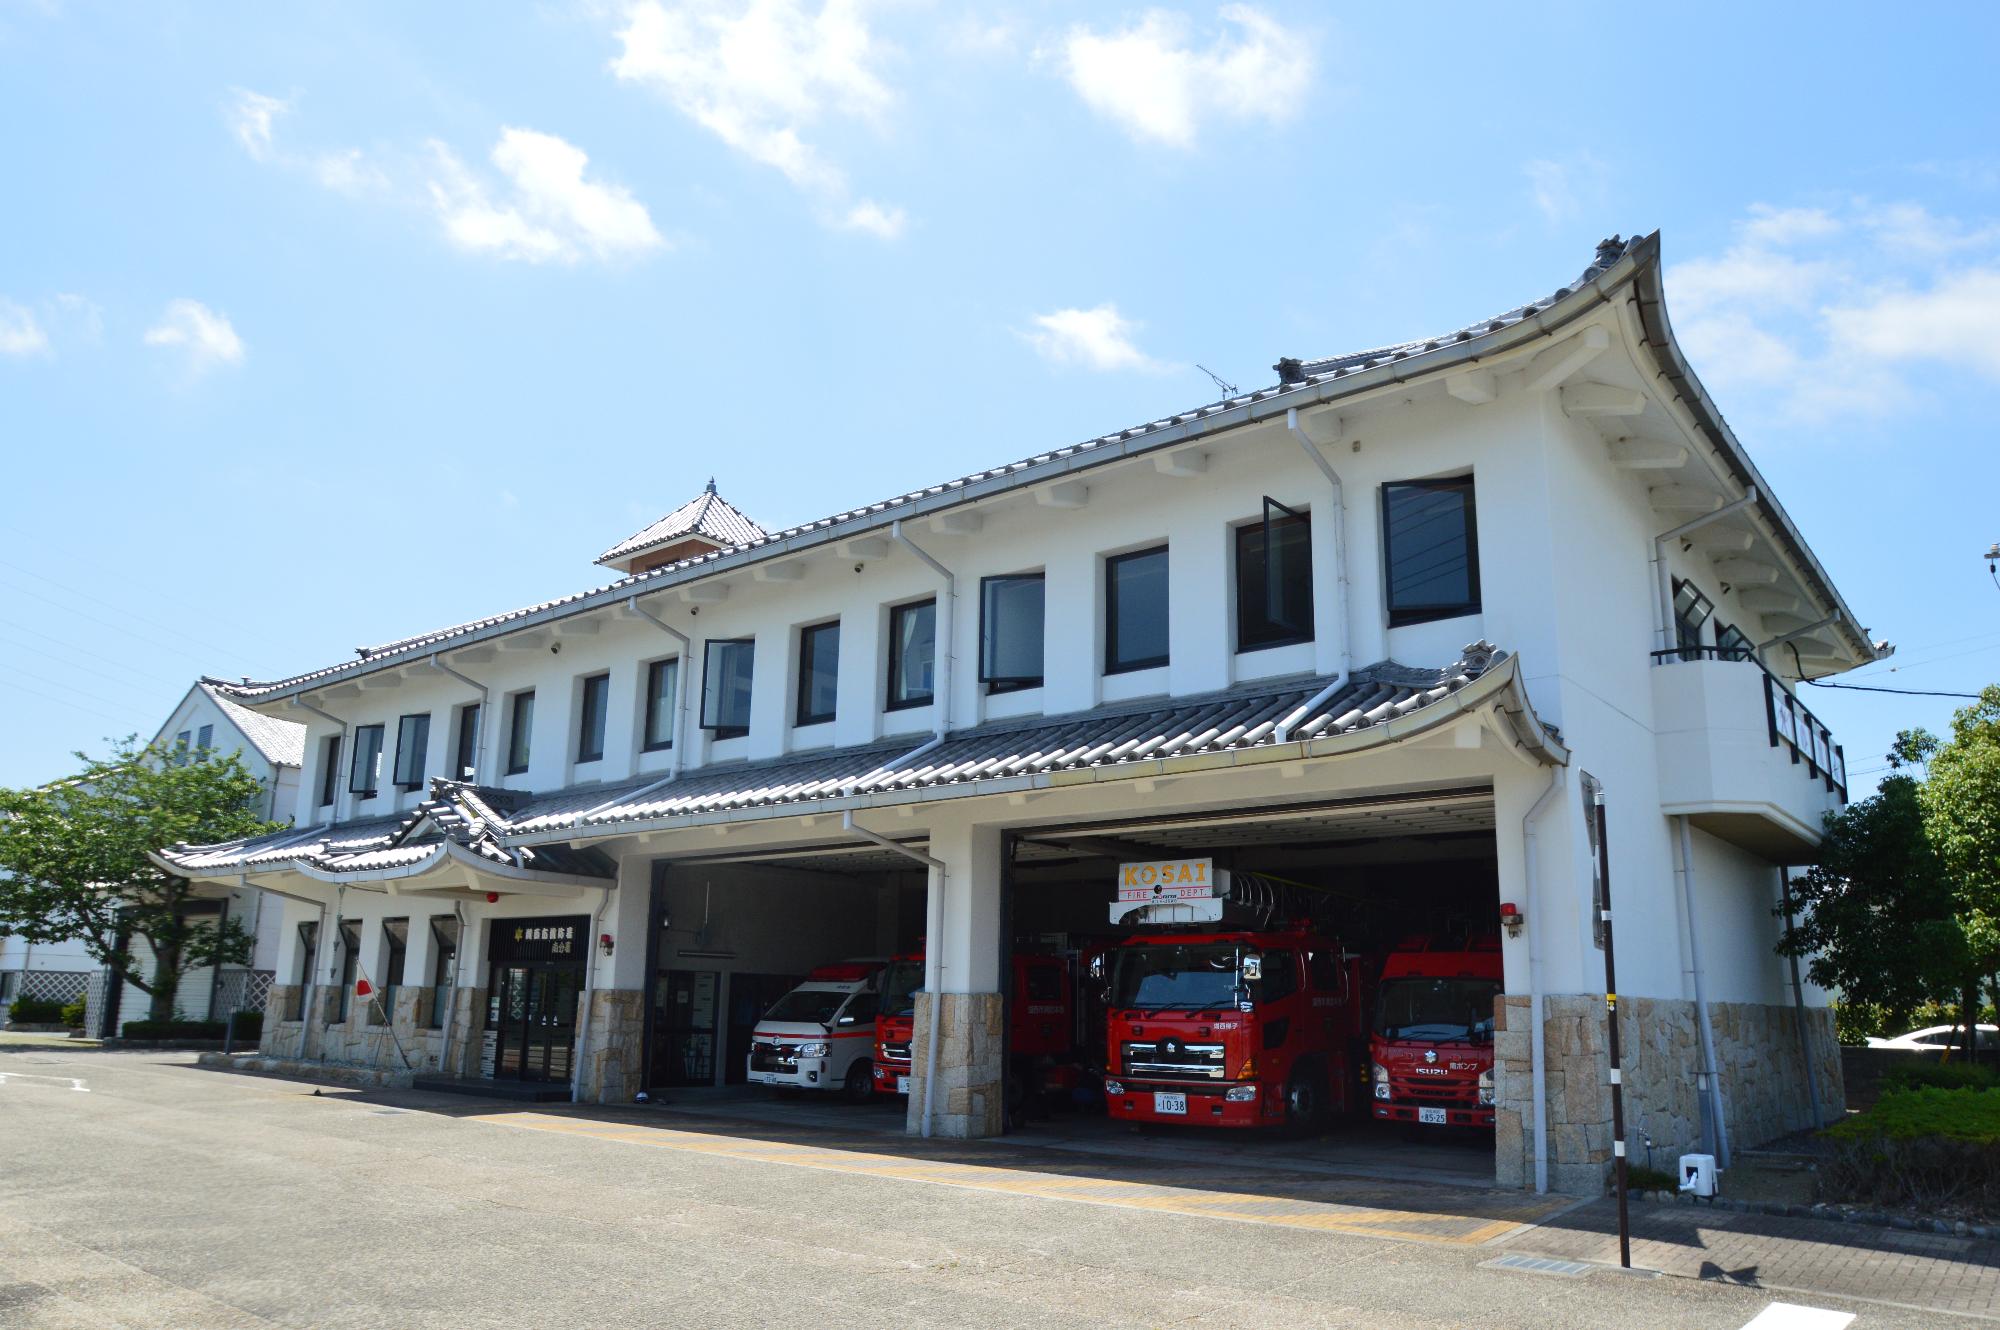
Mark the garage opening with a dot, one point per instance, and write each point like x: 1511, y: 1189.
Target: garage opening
x: 1336, y: 1003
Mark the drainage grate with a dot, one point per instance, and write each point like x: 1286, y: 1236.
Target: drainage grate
x: 1541, y: 1265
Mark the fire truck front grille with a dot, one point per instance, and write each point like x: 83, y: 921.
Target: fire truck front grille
x: 1168, y: 1057
x: 1432, y: 1091
x: 896, y: 1052
x: 774, y: 1057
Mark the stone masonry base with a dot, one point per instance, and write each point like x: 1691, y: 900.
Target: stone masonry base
x: 1757, y: 1056
x: 970, y: 1043
x: 614, y: 1063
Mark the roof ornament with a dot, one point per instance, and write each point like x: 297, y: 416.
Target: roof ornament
x: 1610, y: 251
x: 1475, y: 660
x: 1290, y: 371
x: 711, y: 484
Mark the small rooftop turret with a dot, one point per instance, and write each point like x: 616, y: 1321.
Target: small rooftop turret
x: 704, y: 523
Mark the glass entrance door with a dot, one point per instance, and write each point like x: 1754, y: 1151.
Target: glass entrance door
x: 532, y: 1012
x: 684, y: 1010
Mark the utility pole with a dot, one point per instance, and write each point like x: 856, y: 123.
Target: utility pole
x: 1611, y: 1017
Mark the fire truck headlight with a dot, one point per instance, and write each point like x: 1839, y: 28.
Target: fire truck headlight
x: 1486, y: 1087
x: 1381, y: 1075
x: 1240, y: 1094
x: 1113, y: 1087
x: 813, y: 1050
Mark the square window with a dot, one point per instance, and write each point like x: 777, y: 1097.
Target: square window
x: 1732, y: 643
x: 1274, y: 586
x: 1430, y: 539
x: 520, y: 732
x: 591, y: 720
x: 367, y: 757
x: 1135, y: 610
x: 1010, y: 632
x: 912, y: 655
x: 726, y: 670
x: 413, y: 736
x: 819, y: 673
x: 662, y: 679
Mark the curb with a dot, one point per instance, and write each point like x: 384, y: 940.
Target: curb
x: 1835, y: 1213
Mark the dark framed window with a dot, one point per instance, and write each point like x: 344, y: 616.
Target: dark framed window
x: 591, y: 718
x: 204, y: 738
x: 1135, y: 610
x: 367, y: 757
x: 819, y: 672
x: 1732, y: 643
x: 413, y: 739
x: 444, y: 960
x: 1274, y: 579
x: 1691, y: 610
x: 1010, y: 632
x: 350, y: 964
x: 183, y: 743
x: 395, y: 953
x: 308, y: 951
x: 661, y: 678
x: 329, y: 769
x: 465, y: 746
x: 727, y: 665
x: 1430, y: 544
x: 520, y: 731
x: 912, y: 655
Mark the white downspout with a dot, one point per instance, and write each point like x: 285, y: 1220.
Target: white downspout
x: 340, y: 791
x: 1685, y: 871
x: 680, y: 681
x: 933, y: 952
x: 1663, y: 575
x: 479, y: 767
x: 1283, y: 732
x: 1537, y: 1043
x: 589, y: 988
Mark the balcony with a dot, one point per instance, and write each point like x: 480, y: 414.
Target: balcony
x: 1741, y: 757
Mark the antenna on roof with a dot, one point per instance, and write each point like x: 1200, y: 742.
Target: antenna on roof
x: 1228, y: 389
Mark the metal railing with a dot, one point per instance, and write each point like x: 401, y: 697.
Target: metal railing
x: 1791, y: 725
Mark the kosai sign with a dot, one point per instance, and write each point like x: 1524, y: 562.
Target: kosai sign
x: 1167, y: 880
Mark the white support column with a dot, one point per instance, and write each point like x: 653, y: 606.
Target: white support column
x: 962, y: 979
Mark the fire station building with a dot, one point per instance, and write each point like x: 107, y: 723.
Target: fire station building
x: 1397, y: 626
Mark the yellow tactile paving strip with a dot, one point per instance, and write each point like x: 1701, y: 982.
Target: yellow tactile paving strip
x: 1454, y: 1215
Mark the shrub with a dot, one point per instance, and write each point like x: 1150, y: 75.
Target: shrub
x: 249, y: 1026
x: 72, y: 1015
x: 1924, y: 1148
x: 1640, y: 1178
x: 172, y: 1030
x: 35, y: 1011
x: 1941, y: 1075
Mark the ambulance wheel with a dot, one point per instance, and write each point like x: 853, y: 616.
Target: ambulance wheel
x: 1305, y: 1099
x: 860, y: 1083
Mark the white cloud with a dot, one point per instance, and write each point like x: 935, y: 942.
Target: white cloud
x: 1155, y: 82
x: 1567, y: 188
x: 1098, y: 339
x: 1818, y: 312
x: 872, y: 217
x: 21, y: 332
x: 252, y: 118
x: 551, y: 213
x: 204, y: 335
x: 759, y: 77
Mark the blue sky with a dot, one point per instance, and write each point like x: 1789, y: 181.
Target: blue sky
x: 325, y: 324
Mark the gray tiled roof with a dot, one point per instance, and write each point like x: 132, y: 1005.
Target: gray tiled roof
x: 1109, y: 736
x: 707, y: 515
x: 282, y: 742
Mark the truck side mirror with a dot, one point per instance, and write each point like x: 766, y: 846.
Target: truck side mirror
x: 1097, y: 966
x: 1253, y: 966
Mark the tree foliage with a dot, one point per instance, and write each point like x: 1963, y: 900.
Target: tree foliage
x: 1961, y: 802
x: 74, y: 865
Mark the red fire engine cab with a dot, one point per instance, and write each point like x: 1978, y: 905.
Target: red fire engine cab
x: 1041, y: 1028
x: 1219, y: 1015
x: 1431, y: 1052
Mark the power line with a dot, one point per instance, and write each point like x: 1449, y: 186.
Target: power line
x: 73, y: 706
x: 1906, y: 692
x: 78, y: 665
x: 119, y: 627
x: 61, y: 586
x: 67, y: 645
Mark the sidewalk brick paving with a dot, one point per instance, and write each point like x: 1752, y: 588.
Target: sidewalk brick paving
x: 1930, y: 1270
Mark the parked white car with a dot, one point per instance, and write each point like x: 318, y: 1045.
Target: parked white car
x: 1937, y: 1038
x: 821, y: 1035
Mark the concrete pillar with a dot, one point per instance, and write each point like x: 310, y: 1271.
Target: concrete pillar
x: 1072, y: 635
x: 1199, y: 655
x: 962, y: 986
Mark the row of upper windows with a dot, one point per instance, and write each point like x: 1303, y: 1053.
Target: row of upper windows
x: 1430, y: 551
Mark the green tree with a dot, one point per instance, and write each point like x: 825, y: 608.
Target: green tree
x: 73, y: 863
x: 1877, y: 914
x: 1961, y: 803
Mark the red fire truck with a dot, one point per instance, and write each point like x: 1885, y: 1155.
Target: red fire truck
x: 1431, y: 1053
x: 1041, y: 1025
x: 1228, y: 1010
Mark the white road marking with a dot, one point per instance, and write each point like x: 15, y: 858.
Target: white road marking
x: 71, y: 1081
x: 1791, y: 1316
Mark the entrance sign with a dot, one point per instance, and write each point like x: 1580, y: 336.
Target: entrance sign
x: 1167, y: 880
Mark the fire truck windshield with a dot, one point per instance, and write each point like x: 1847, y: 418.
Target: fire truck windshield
x: 1436, y: 1010
x: 1194, y: 977
x: 900, y: 983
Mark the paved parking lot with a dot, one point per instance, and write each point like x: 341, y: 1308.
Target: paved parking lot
x: 138, y: 1190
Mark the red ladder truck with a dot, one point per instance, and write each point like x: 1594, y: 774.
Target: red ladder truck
x: 1041, y: 1028
x: 1431, y: 1052
x: 1228, y: 1008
